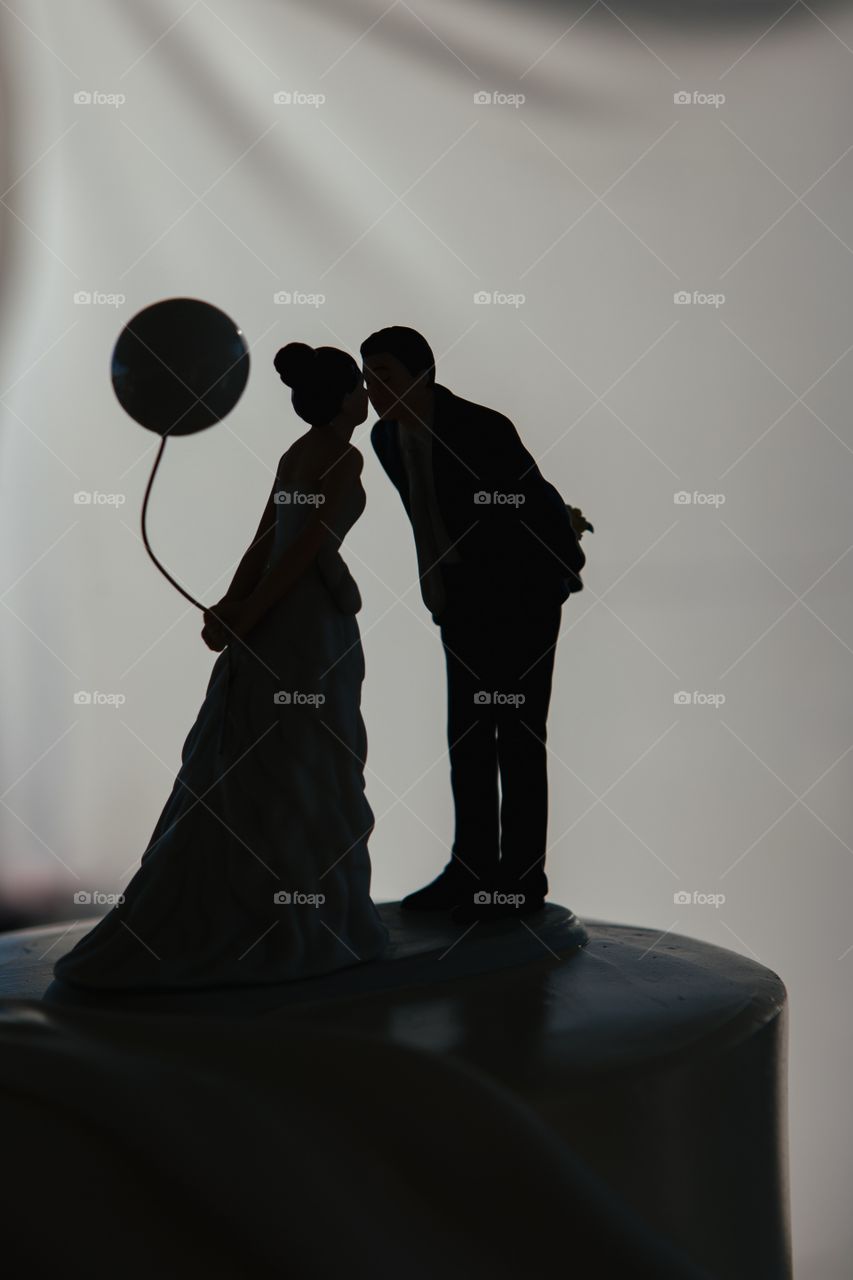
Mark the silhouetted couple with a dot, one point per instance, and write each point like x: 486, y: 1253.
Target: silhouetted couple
x: 258, y: 869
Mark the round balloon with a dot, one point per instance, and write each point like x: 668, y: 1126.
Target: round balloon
x: 179, y: 366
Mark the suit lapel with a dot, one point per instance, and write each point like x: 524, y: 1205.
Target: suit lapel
x: 395, y: 455
x: 441, y: 425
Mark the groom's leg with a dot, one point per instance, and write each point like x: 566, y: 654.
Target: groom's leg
x: 473, y: 751
x: 526, y: 663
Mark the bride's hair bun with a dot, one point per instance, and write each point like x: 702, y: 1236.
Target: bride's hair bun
x: 295, y: 363
x: 320, y: 378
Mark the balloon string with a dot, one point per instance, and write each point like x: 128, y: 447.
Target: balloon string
x: 164, y: 571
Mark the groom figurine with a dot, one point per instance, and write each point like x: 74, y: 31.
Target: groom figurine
x: 498, y: 553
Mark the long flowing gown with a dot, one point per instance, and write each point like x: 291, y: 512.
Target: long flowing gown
x: 258, y: 868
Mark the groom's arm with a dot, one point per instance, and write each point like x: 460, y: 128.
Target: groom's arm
x: 541, y: 512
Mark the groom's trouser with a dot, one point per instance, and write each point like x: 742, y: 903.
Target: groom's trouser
x: 498, y: 689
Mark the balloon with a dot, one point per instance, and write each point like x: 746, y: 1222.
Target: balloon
x: 179, y: 366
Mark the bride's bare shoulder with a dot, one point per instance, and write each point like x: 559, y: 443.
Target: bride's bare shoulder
x: 319, y: 461
x: 333, y: 452
x: 349, y: 462
x: 354, y: 457
x: 291, y: 454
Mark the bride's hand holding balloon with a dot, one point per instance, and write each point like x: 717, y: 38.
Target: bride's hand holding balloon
x: 213, y: 633
x: 221, y: 622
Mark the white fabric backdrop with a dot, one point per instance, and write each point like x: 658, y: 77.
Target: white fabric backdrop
x: 398, y: 197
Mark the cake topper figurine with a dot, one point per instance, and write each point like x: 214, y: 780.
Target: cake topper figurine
x: 257, y: 871
x: 498, y: 554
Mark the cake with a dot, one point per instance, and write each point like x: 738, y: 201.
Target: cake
x: 519, y: 1099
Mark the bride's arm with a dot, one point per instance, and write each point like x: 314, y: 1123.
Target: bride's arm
x: 318, y: 531
x: 252, y: 565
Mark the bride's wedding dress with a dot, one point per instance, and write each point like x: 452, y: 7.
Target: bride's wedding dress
x: 258, y: 870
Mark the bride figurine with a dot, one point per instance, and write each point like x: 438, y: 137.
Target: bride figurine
x: 258, y: 870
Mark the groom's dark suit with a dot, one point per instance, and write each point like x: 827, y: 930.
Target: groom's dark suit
x: 509, y: 559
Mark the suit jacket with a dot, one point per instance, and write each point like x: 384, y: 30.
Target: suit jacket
x: 510, y: 527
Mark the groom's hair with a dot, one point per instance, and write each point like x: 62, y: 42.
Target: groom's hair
x: 406, y: 345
